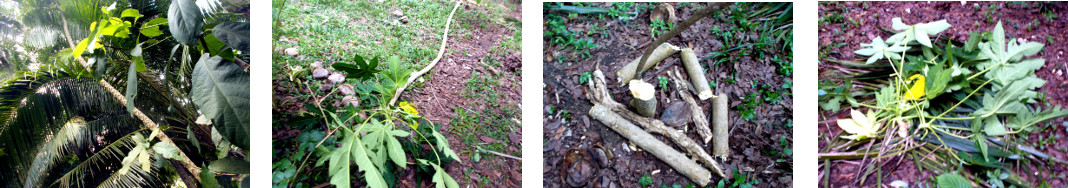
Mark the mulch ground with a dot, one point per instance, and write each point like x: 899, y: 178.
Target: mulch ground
x: 874, y: 17
x: 570, y: 140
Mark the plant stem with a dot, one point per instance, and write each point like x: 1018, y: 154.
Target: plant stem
x: 961, y: 101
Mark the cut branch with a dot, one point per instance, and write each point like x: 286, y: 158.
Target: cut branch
x: 441, y: 51
x: 700, y: 121
x: 646, y: 141
x: 155, y: 128
x: 626, y: 73
x: 700, y: 14
x: 697, y: 75
x: 719, y: 126
x: 644, y: 97
x: 599, y: 95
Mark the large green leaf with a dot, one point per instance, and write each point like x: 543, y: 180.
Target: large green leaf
x: 221, y: 90
x: 234, y: 34
x: 949, y: 180
x: 231, y: 165
x: 185, y: 21
x: 131, y: 88
x: 352, y: 149
x: 207, y: 179
x: 443, y: 179
x: 151, y: 28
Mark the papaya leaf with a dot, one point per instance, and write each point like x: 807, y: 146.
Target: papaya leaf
x: 396, y: 152
x: 949, y: 180
x: 919, y: 32
x: 352, y: 149
x: 442, y: 179
x: 878, y: 49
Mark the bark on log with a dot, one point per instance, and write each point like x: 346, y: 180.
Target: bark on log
x: 599, y: 95
x: 720, y: 148
x: 700, y: 121
x: 626, y: 74
x: 646, y: 141
x: 697, y: 75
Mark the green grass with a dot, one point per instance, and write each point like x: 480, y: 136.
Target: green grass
x: 331, y: 30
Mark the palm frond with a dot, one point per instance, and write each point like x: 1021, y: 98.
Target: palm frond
x: 42, y: 113
x: 76, y: 135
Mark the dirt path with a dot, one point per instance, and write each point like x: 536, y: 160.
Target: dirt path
x: 860, y: 22
x: 466, y: 53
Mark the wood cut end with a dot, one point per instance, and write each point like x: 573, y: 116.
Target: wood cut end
x: 705, y: 95
x: 642, y: 90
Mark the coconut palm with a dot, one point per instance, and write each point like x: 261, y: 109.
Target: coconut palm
x: 67, y: 125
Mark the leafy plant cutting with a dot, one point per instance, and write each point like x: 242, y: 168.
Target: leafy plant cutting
x: 969, y: 105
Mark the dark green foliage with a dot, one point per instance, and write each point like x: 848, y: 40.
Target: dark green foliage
x: 361, y: 69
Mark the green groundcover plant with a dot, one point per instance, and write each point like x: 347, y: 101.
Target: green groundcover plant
x: 971, y: 104
x: 379, y: 144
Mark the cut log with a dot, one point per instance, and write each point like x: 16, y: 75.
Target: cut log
x: 700, y: 121
x: 720, y: 148
x: 644, y: 100
x: 697, y: 75
x: 599, y: 95
x: 646, y: 141
x: 626, y: 74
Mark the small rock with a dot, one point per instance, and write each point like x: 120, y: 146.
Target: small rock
x: 292, y: 51
x: 326, y: 87
x: 317, y: 64
x: 320, y: 73
x: 346, y: 89
x: 579, y: 173
x: 353, y: 100
x: 397, y: 13
x: 337, y: 77
x: 677, y: 114
x: 403, y: 20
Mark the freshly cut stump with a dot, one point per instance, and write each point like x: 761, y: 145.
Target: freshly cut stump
x: 644, y: 100
x: 626, y: 74
x: 699, y: 175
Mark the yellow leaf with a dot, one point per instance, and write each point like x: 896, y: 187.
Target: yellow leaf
x: 408, y: 107
x: 918, y: 89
